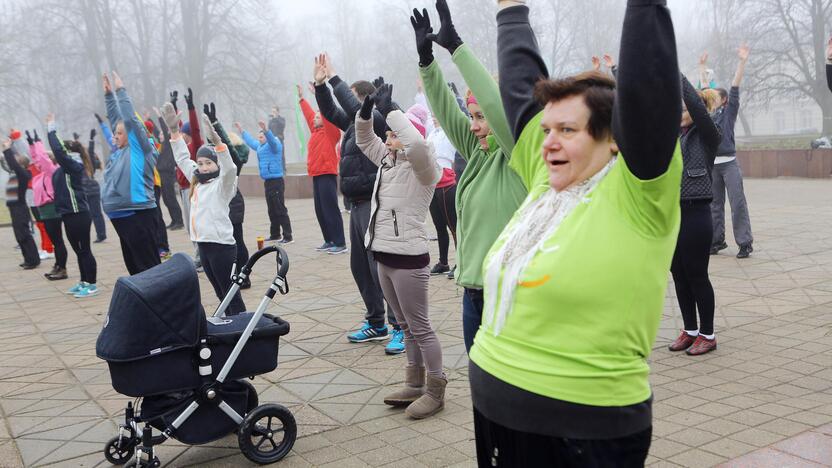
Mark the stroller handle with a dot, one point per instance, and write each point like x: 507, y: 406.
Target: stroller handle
x: 282, y: 260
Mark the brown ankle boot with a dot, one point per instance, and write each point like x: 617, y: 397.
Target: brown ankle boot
x: 432, y: 401
x: 414, y: 387
x: 59, y: 274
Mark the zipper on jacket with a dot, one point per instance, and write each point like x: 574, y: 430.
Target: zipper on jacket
x: 395, y: 224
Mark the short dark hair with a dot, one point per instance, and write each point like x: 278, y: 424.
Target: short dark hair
x: 363, y: 88
x: 722, y: 93
x: 598, y: 91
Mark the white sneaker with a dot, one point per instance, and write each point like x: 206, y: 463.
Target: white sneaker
x: 44, y: 255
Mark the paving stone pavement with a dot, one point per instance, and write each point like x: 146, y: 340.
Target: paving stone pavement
x: 764, y: 394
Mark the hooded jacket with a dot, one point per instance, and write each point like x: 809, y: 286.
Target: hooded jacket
x: 404, y: 187
x: 209, y: 220
x: 128, y: 176
x: 68, y: 179
x: 42, y: 187
x: 321, y: 158
x: 269, y: 155
x: 358, y: 174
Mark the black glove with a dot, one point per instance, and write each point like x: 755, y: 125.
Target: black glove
x: 378, y: 82
x: 76, y: 136
x: 37, y: 138
x: 92, y: 134
x: 366, y: 112
x: 422, y: 28
x: 98, y: 118
x: 211, y: 112
x: 174, y: 96
x: 189, y: 98
x: 29, y: 138
x: 447, y: 37
x: 383, y: 97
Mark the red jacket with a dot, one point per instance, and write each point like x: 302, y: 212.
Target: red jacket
x: 196, y: 142
x: 321, y: 158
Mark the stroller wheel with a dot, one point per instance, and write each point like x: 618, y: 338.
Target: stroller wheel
x: 119, y: 450
x: 267, y: 434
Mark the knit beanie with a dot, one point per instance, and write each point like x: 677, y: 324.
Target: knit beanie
x: 186, y: 128
x: 208, y: 152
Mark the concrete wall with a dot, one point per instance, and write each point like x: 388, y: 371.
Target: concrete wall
x: 814, y: 164
x: 297, y: 186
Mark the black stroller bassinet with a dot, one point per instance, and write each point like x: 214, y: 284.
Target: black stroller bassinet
x: 160, y: 347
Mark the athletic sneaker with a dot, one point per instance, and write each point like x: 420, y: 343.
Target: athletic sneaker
x: 368, y: 333
x: 88, y: 291
x: 44, y: 255
x: 337, y: 249
x: 452, y: 273
x: 286, y: 241
x: 440, y: 268
x: 325, y: 246
x: 396, y: 344
x: 75, y: 289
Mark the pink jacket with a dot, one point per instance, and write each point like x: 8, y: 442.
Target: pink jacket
x: 42, y: 183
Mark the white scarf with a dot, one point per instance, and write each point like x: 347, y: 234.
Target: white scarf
x: 537, y: 221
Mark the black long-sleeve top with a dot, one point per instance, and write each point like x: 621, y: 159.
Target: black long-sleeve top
x: 68, y: 179
x: 699, y: 144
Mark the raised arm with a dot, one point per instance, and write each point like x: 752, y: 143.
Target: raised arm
x: 308, y: 113
x: 211, y: 112
x: 417, y: 149
x: 329, y: 109
x: 136, y: 132
x: 648, y: 108
x: 193, y: 118
x: 181, y: 154
x: 365, y: 138
x: 702, y: 69
x: 228, y: 170
x: 67, y: 163
x: 742, y: 54
x: 40, y: 158
x: 23, y: 176
x: 699, y: 114
x: 519, y: 64
x: 247, y: 138
x: 107, y: 133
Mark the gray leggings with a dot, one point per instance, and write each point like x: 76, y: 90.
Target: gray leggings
x: 406, y: 292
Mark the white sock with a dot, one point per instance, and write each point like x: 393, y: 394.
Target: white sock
x: 709, y: 337
x: 692, y: 332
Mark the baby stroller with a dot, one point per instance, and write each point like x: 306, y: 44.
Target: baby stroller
x: 188, y: 372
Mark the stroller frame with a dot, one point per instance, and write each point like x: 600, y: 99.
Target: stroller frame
x: 121, y: 448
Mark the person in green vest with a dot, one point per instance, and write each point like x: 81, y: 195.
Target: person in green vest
x: 575, y: 283
x: 489, y: 190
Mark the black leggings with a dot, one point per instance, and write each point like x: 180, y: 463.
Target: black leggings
x: 161, y: 229
x: 690, y: 267
x: 53, y: 228
x: 78, y: 234
x: 443, y: 214
x: 217, y: 260
x: 242, y: 250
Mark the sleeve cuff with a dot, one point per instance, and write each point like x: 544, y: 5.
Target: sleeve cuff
x: 335, y: 80
x: 514, y: 14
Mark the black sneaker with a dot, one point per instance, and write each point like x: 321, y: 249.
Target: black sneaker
x: 286, y: 241
x: 745, y: 251
x: 452, y: 273
x: 440, y: 268
x: 717, y: 247
x: 175, y: 226
x: 274, y: 238
x: 29, y: 266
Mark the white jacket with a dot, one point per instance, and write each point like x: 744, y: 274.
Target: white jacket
x: 209, y: 201
x: 404, y: 187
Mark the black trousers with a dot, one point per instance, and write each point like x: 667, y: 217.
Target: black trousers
x: 137, y: 235
x: 78, y: 234
x: 498, y: 445
x: 53, y: 228
x: 94, y: 201
x: 170, y: 195
x: 242, y: 250
x: 161, y: 231
x: 443, y: 214
x: 690, y: 267
x: 276, y: 204
x: 217, y: 261
x: 325, y: 192
x: 364, y: 268
x: 20, y: 225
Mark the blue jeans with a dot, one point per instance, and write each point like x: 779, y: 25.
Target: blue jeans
x: 471, y: 315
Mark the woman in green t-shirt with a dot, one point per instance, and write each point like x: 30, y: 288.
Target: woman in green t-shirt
x: 575, y: 284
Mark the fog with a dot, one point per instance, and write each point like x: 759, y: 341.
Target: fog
x: 247, y: 56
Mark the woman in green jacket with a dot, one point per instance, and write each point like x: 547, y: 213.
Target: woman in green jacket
x: 490, y: 189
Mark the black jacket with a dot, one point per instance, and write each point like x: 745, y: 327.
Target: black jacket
x: 699, y: 144
x: 91, y: 186
x: 68, y: 180
x: 358, y: 174
x: 23, y: 177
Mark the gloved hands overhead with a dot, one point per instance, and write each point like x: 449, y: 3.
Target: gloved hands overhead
x: 29, y: 138
x: 93, y: 132
x: 210, y: 111
x: 210, y: 132
x: 189, y: 98
x: 366, y: 112
x: 422, y: 29
x: 447, y: 37
x: 383, y: 98
x: 171, y: 117
x: 174, y: 96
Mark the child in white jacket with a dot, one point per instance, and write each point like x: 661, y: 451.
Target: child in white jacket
x: 213, y: 184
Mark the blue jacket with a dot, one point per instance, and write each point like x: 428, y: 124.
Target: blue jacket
x: 128, y: 176
x: 269, y: 155
x: 68, y: 180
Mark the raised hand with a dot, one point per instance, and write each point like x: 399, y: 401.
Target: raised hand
x: 189, y: 98
x: 108, y: 88
x: 743, y: 52
x: 174, y: 96
x: 311, y: 86
x: 117, y: 80
x: 76, y: 136
x: 383, y: 98
x: 596, y: 63
x: 98, y: 118
x: 171, y: 117
x: 262, y: 125
x: 35, y: 132
x: 378, y: 82
x: 423, y: 30
x: 447, y: 37
x: 300, y: 91
x: 319, y: 72
x: 366, y: 111
x: 703, y: 59
x: 609, y: 62
x: 210, y: 132
x: 238, y: 127
x: 93, y: 132
x: 50, y: 122
x: 210, y: 111
x: 329, y: 68
x: 29, y: 138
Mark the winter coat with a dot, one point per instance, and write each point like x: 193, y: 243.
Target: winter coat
x: 321, y: 157
x: 128, y: 176
x: 42, y: 187
x: 269, y: 155
x: 68, y: 179
x: 209, y: 201
x: 404, y: 187
x: 699, y: 145
x: 19, y: 178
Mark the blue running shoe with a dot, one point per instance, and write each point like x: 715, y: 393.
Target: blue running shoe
x: 337, y: 249
x: 368, y: 333
x: 88, y: 291
x: 396, y: 344
x: 325, y: 246
x: 76, y: 289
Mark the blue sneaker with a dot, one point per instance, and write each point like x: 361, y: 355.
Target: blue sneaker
x: 396, y: 344
x: 368, y: 333
x: 88, y: 291
x: 76, y: 289
x: 325, y: 246
x: 337, y: 249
